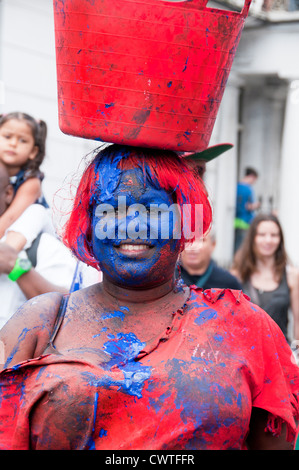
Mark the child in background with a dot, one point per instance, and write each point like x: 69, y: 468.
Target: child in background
x: 22, y: 150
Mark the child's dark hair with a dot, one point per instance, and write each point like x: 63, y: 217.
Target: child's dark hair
x: 39, y: 133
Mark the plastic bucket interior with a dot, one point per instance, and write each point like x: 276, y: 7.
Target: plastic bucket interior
x: 145, y: 73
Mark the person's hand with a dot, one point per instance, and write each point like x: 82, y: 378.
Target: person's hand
x: 8, y: 257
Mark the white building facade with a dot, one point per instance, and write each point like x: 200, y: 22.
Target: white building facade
x: 260, y: 116
x: 28, y: 83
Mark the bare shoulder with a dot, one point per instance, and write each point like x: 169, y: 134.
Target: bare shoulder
x: 235, y: 273
x: 28, y: 331
x: 293, y: 277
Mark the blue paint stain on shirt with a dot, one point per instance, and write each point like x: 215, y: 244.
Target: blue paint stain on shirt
x: 239, y: 400
x: 91, y: 443
x: 102, y: 432
x: 218, y: 338
x: 205, y: 316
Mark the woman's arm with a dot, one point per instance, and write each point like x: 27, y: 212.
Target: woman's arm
x: 16, y: 240
x: 34, y: 220
x: 8, y: 257
x: 33, y: 284
x: 293, y: 283
x: 26, y: 195
x: 261, y: 439
x: 27, y: 333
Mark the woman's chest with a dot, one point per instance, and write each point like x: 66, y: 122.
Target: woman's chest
x: 114, y: 336
x: 187, y: 392
x: 264, y: 281
x: 172, y: 403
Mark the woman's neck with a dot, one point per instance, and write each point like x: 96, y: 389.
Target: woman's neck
x: 136, y: 296
x: 265, y: 262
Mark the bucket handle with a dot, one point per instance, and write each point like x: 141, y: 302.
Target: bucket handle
x: 201, y: 3
x: 245, y: 8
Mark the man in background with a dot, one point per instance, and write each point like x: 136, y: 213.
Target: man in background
x: 246, y: 205
x: 198, y: 268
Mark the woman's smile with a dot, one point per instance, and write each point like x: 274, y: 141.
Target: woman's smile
x: 134, y: 249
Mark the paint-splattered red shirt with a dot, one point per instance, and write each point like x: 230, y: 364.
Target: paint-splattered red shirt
x: 195, y: 390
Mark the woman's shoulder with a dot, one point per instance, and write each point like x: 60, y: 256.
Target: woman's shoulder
x: 28, y: 331
x: 292, y: 273
x: 233, y: 312
x: 215, y: 295
x: 228, y: 304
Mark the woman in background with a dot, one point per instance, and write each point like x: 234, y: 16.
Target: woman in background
x: 262, y: 266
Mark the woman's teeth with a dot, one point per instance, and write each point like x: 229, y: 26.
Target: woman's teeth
x: 129, y: 247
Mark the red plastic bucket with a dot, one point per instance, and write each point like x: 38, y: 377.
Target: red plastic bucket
x: 146, y: 72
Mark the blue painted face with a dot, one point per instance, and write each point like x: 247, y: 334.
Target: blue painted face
x: 135, y: 243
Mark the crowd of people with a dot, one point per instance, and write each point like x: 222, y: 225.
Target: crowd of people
x: 160, y: 349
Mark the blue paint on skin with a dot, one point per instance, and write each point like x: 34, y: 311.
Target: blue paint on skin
x: 122, y: 348
x: 16, y: 348
x: 116, y: 313
x: 132, y: 187
x: 125, y: 309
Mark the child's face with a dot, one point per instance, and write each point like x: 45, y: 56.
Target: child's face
x: 16, y: 145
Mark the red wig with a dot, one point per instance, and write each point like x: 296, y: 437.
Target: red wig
x: 163, y: 169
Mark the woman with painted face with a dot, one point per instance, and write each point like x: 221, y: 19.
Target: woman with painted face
x: 267, y: 277
x: 139, y: 361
